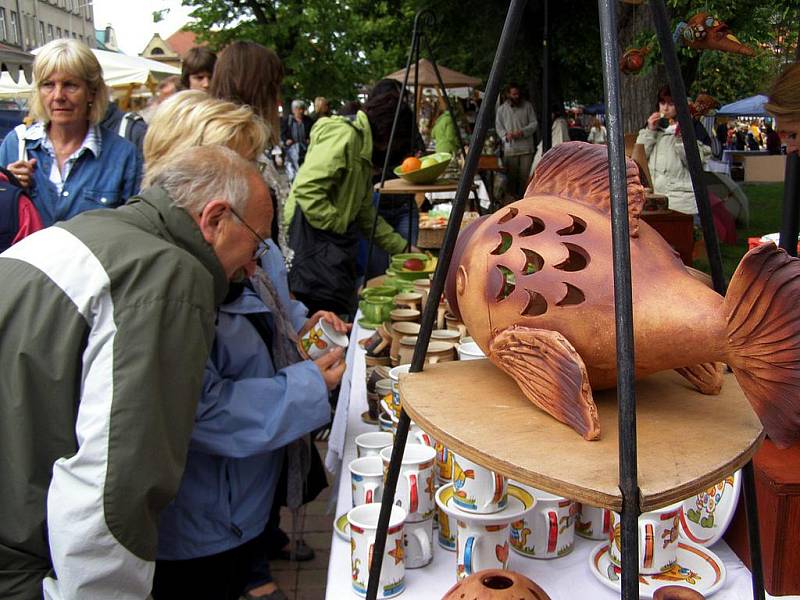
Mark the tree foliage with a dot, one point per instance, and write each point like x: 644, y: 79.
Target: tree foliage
x: 335, y: 47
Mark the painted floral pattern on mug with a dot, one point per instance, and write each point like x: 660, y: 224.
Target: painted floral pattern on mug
x: 706, y: 503
x: 314, y: 338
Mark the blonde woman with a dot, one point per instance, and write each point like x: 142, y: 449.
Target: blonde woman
x: 66, y: 160
x: 193, y: 118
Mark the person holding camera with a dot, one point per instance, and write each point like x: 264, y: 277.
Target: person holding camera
x: 666, y: 156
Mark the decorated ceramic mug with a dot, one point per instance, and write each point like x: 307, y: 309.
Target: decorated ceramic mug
x: 366, y: 480
x: 385, y: 422
x: 386, y: 396
x: 394, y: 377
x: 444, y: 464
x: 322, y: 338
x: 418, y: 543
x: 415, y: 485
x: 363, y: 530
x: 447, y: 523
x: 658, y: 539
x: 372, y: 442
x: 593, y: 523
x: 548, y: 531
x: 477, y: 489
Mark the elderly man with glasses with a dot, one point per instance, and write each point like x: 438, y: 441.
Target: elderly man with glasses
x: 106, y: 322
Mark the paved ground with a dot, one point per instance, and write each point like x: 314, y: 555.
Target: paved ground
x: 306, y: 580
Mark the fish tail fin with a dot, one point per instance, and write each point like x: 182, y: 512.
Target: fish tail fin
x: 705, y: 377
x: 762, y: 310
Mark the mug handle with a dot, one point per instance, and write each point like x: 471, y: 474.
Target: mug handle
x: 469, y: 548
x: 497, y: 488
x: 413, y: 493
x: 647, y: 542
x: 425, y: 544
x: 551, y: 518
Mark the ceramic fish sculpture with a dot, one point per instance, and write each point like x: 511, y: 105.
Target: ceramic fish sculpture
x: 704, y: 32
x: 632, y: 61
x: 533, y: 284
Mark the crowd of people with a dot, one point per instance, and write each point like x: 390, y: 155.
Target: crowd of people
x: 156, y: 410
x: 156, y: 404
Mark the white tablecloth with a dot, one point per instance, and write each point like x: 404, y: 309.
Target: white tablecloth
x: 564, y: 578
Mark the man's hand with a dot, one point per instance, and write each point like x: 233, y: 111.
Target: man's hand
x: 331, y: 365
x: 330, y: 317
x: 23, y: 170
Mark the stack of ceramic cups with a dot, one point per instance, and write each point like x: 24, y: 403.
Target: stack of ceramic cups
x: 476, y: 511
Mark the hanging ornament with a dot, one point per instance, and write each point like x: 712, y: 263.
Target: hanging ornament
x: 704, y: 32
x: 702, y: 105
x: 632, y: 60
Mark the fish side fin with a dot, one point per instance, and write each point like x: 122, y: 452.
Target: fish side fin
x: 705, y: 377
x: 550, y: 373
x: 578, y: 171
x: 762, y: 309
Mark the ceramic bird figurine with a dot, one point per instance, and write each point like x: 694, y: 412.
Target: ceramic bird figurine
x: 632, y: 60
x: 533, y: 284
x: 704, y: 32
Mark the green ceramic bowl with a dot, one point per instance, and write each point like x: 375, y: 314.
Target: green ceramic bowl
x: 427, y: 174
x: 379, y: 290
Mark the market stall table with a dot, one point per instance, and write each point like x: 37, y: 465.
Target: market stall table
x: 564, y: 578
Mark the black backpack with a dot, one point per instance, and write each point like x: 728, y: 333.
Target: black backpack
x: 10, y: 193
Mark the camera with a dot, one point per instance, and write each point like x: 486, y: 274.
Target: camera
x: 662, y: 123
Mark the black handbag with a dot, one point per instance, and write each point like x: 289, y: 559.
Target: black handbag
x: 324, y: 262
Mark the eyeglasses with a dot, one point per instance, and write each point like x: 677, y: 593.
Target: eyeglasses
x: 263, y: 247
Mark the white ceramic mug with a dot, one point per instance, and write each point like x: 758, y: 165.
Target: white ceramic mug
x: 372, y: 442
x: 385, y: 422
x: 363, y: 530
x: 470, y: 351
x: 322, y: 338
x: 480, y: 547
x: 658, y: 539
x: 476, y: 488
x: 385, y: 394
x: 548, y: 531
x: 593, y: 523
x: 394, y: 377
x: 366, y: 480
x: 419, y: 543
x: 444, y: 464
x: 415, y: 485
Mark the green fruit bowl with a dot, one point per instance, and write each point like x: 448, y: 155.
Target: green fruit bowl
x: 427, y: 174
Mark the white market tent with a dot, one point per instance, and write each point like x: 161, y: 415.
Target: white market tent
x: 119, y: 71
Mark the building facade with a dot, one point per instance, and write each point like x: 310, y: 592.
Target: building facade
x: 28, y: 24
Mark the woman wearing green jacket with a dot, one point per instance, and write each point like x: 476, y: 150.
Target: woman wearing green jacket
x: 331, y: 200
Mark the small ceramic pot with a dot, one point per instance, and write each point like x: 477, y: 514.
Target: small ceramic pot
x: 411, y: 300
x: 438, y: 351
x: 399, y: 331
x: 376, y: 309
x: 407, y: 315
x: 445, y: 335
x: 494, y: 584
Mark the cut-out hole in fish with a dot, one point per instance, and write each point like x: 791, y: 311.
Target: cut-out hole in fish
x: 576, y: 261
x: 509, y: 282
x: 536, y: 306
x: 533, y: 262
x: 578, y: 226
x: 512, y: 212
x: 573, y: 296
x: 536, y: 226
x: 505, y: 243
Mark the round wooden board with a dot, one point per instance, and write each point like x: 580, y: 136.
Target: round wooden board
x: 399, y: 186
x: 687, y: 441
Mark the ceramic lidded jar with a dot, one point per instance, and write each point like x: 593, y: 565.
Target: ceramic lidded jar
x: 496, y: 584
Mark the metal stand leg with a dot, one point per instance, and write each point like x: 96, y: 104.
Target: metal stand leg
x: 753, y: 534
x: 623, y: 299
x: 791, y: 205
x: 513, y: 18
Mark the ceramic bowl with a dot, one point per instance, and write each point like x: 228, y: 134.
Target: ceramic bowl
x: 428, y: 174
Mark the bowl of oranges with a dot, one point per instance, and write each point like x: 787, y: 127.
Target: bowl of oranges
x: 425, y: 169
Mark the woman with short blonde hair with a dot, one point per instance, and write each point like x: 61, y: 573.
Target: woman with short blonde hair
x: 67, y: 162
x: 193, y: 118
x: 784, y: 103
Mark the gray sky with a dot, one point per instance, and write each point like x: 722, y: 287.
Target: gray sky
x: 133, y: 20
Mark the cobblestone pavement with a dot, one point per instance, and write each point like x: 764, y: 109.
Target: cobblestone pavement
x: 306, y: 580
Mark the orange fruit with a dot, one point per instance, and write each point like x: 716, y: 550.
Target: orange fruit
x: 410, y: 164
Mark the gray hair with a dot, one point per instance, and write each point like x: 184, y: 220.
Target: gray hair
x: 298, y: 104
x: 201, y: 174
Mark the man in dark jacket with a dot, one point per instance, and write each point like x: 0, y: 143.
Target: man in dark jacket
x: 128, y: 125
x: 107, y: 321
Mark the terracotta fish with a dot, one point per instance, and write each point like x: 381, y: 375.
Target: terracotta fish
x: 533, y: 284
x: 704, y: 32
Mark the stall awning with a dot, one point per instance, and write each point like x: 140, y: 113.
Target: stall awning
x: 427, y: 76
x: 746, y: 107
x: 13, y: 60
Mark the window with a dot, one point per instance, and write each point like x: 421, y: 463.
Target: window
x: 58, y: 32
x: 3, y: 24
x: 14, y: 28
x: 42, y: 38
x: 49, y: 33
x: 157, y: 52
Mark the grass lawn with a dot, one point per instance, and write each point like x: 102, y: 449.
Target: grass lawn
x: 766, y: 202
